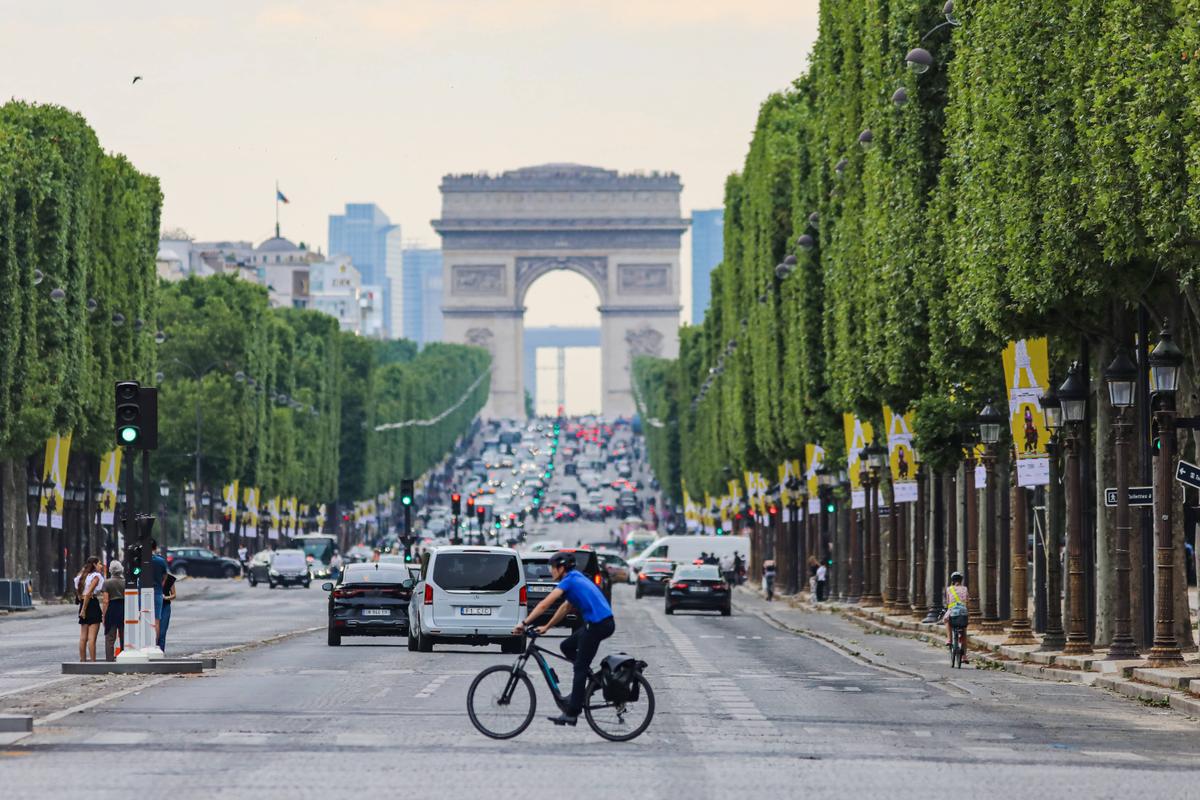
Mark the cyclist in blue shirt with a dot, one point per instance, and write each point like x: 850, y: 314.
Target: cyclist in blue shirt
x: 579, y: 593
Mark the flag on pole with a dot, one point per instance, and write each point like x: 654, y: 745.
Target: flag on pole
x: 280, y: 196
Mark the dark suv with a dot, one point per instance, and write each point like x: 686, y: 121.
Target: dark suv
x: 539, y: 584
x: 200, y: 562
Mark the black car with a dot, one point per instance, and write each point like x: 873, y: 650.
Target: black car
x: 201, y: 562
x: 653, y: 578
x: 698, y: 586
x: 369, y: 600
x: 539, y: 584
x: 288, y: 568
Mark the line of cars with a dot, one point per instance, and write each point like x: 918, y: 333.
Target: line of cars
x: 459, y: 594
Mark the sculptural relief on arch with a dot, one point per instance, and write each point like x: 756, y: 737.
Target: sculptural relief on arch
x: 500, y: 233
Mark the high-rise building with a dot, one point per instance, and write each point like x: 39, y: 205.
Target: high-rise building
x: 421, y: 313
x: 708, y: 248
x: 368, y: 237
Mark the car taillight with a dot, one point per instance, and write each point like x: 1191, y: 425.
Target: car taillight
x: 428, y: 594
x: 309, y: 559
x: 596, y: 579
x: 642, y: 576
x: 720, y: 587
x: 679, y: 585
x: 524, y: 595
x: 170, y: 558
x: 339, y: 594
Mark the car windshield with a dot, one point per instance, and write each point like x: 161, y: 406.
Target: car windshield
x: 476, y: 572
x: 320, y: 548
x: 537, y: 570
x: 287, y: 560
x: 657, y: 568
x: 359, y: 573
x: 706, y: 572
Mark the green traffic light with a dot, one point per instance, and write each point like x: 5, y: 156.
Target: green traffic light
x: 128, y: 434
x: 406, y: 501
x: 830, y: 508
x: 137, y: 571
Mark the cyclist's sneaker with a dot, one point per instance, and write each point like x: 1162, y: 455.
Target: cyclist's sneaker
x: 564, y: 719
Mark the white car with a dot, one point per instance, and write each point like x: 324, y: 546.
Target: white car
x: 468, y: 595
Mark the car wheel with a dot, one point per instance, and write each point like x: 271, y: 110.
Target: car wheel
x: 270, y: 583
x: 253, y: 581
x: 307, y: 584
x: 334, y: 639
x: 637, y: 593
x: 412, y: 642
x: 668, y: 608
x: 726, y: 611
x: 424, y: 643
x: 179, y: 571
x: 229, y: 572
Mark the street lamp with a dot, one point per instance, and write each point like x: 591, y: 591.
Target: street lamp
x: 1072, y: 395
x: 1054, y: 637
x: 1166, y: 361
x: 866, y: 139
x: 1121, y: 378
x: 900, y: 97
x: 874, y: 592
x: 919, y: 60
x: 989, y: 422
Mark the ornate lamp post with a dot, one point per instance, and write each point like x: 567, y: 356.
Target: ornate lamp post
x: 875, y: 457
x: 1054, y: 638
x: 971, y: 515
x: 1166, y: 362
x: 862, y: 525
x: 825, y: 482
x: 1072, y: 396
x: 164, y: 491
x: 989, y: 421
x: 1020, y: 631
x: 1121, y: 379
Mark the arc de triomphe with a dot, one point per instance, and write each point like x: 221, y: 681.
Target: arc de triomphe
x: 501, y: 233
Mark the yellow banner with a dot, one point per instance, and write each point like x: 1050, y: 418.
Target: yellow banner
x: 321, y: 518
x: 814, y: 459
x: 250, y: 498
x: 858, y: 435
x: 1026, y: 374
x: 110, y: 482
x: 901, y: 456
x: 787, y: 471
x: 54, y: 479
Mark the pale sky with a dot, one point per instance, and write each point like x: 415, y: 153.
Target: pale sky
x: 375, y: 100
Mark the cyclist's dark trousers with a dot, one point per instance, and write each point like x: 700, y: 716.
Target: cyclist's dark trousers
x: 581, y: 647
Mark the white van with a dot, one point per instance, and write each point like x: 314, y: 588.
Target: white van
x: 686, y: 549
x: 468, y: 595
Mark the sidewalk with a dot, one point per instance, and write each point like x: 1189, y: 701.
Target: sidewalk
x: 879, y: 635
x: 197, y: 587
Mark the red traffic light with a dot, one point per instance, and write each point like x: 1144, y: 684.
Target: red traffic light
x: 456, y: 497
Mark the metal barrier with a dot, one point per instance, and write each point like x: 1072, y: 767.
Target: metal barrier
x: 15, y: 594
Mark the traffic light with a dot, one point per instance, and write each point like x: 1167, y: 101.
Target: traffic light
x: 480, y: 512
x: 830, y: 507
x: 470, y: 506
x: 136, y: 415
x: 133, y: 557
x: 455, y: 504
x: 406, y: 491
x: 1155, y: 437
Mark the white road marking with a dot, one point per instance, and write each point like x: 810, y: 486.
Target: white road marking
x: 1114, y: 755
x: 433, y: 686
x: 240, y: 738
x: 66, y: 712
x: 118, y: 737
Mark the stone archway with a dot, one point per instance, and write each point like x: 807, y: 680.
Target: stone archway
x: 621, y: 232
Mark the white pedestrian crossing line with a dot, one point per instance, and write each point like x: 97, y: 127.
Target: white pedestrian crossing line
x: 433, y: 686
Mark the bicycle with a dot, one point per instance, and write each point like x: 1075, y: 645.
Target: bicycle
x: 958, y: 640
x: 501, y: 701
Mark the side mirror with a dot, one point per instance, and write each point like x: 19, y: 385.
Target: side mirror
x: 408, y: 583
x: 326, y: 587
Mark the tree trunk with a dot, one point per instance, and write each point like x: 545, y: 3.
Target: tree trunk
x: 1105, y: 575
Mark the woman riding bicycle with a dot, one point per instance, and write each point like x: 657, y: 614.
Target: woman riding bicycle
x: 956, y: 598
x: 576, y: 591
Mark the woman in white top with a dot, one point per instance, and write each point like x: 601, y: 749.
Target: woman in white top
x: 88, y: 584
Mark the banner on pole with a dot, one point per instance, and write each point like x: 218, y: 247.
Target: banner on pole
x: 110, y: 481
x: 229, y: 496
x: 54, y: 476
x: 1026, y: 375
x: 858, y: 435
x: 814, y: 459
x: 901, y: 456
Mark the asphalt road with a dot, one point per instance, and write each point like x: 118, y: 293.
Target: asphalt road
x: 743, y: 706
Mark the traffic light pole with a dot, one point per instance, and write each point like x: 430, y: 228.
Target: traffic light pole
x: 131, y: 645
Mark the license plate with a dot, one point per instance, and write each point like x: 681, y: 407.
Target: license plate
x: 376, y: 612
x: 699, y: 589
x: 476, y: 611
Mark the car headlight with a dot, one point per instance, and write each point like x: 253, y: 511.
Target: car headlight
x: 273, y: 572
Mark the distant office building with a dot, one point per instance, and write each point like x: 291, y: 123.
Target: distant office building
x: 708, y: 248
x: 368, y: 237
x: 336, y: 289
x: 421, y: 304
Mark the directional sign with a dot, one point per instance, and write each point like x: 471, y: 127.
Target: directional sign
x: 1138, y: 496
x: 1188, y: 474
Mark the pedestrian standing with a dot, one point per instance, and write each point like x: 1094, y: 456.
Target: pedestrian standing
x: 812, y: 576
x: 822, y: 574
x: 768, y: 571
x: 88, y: 584
x: 112, y: 603
x: 158, y: 574
x: 165, y: 621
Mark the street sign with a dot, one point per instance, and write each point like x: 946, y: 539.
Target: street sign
x: 1188, y: 474
x: 1138, y: 496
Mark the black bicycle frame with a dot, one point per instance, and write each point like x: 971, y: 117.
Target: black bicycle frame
x: 539, y: 655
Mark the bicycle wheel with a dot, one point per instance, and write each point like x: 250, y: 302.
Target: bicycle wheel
x: 620, y: 722
x: 490, y: 713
